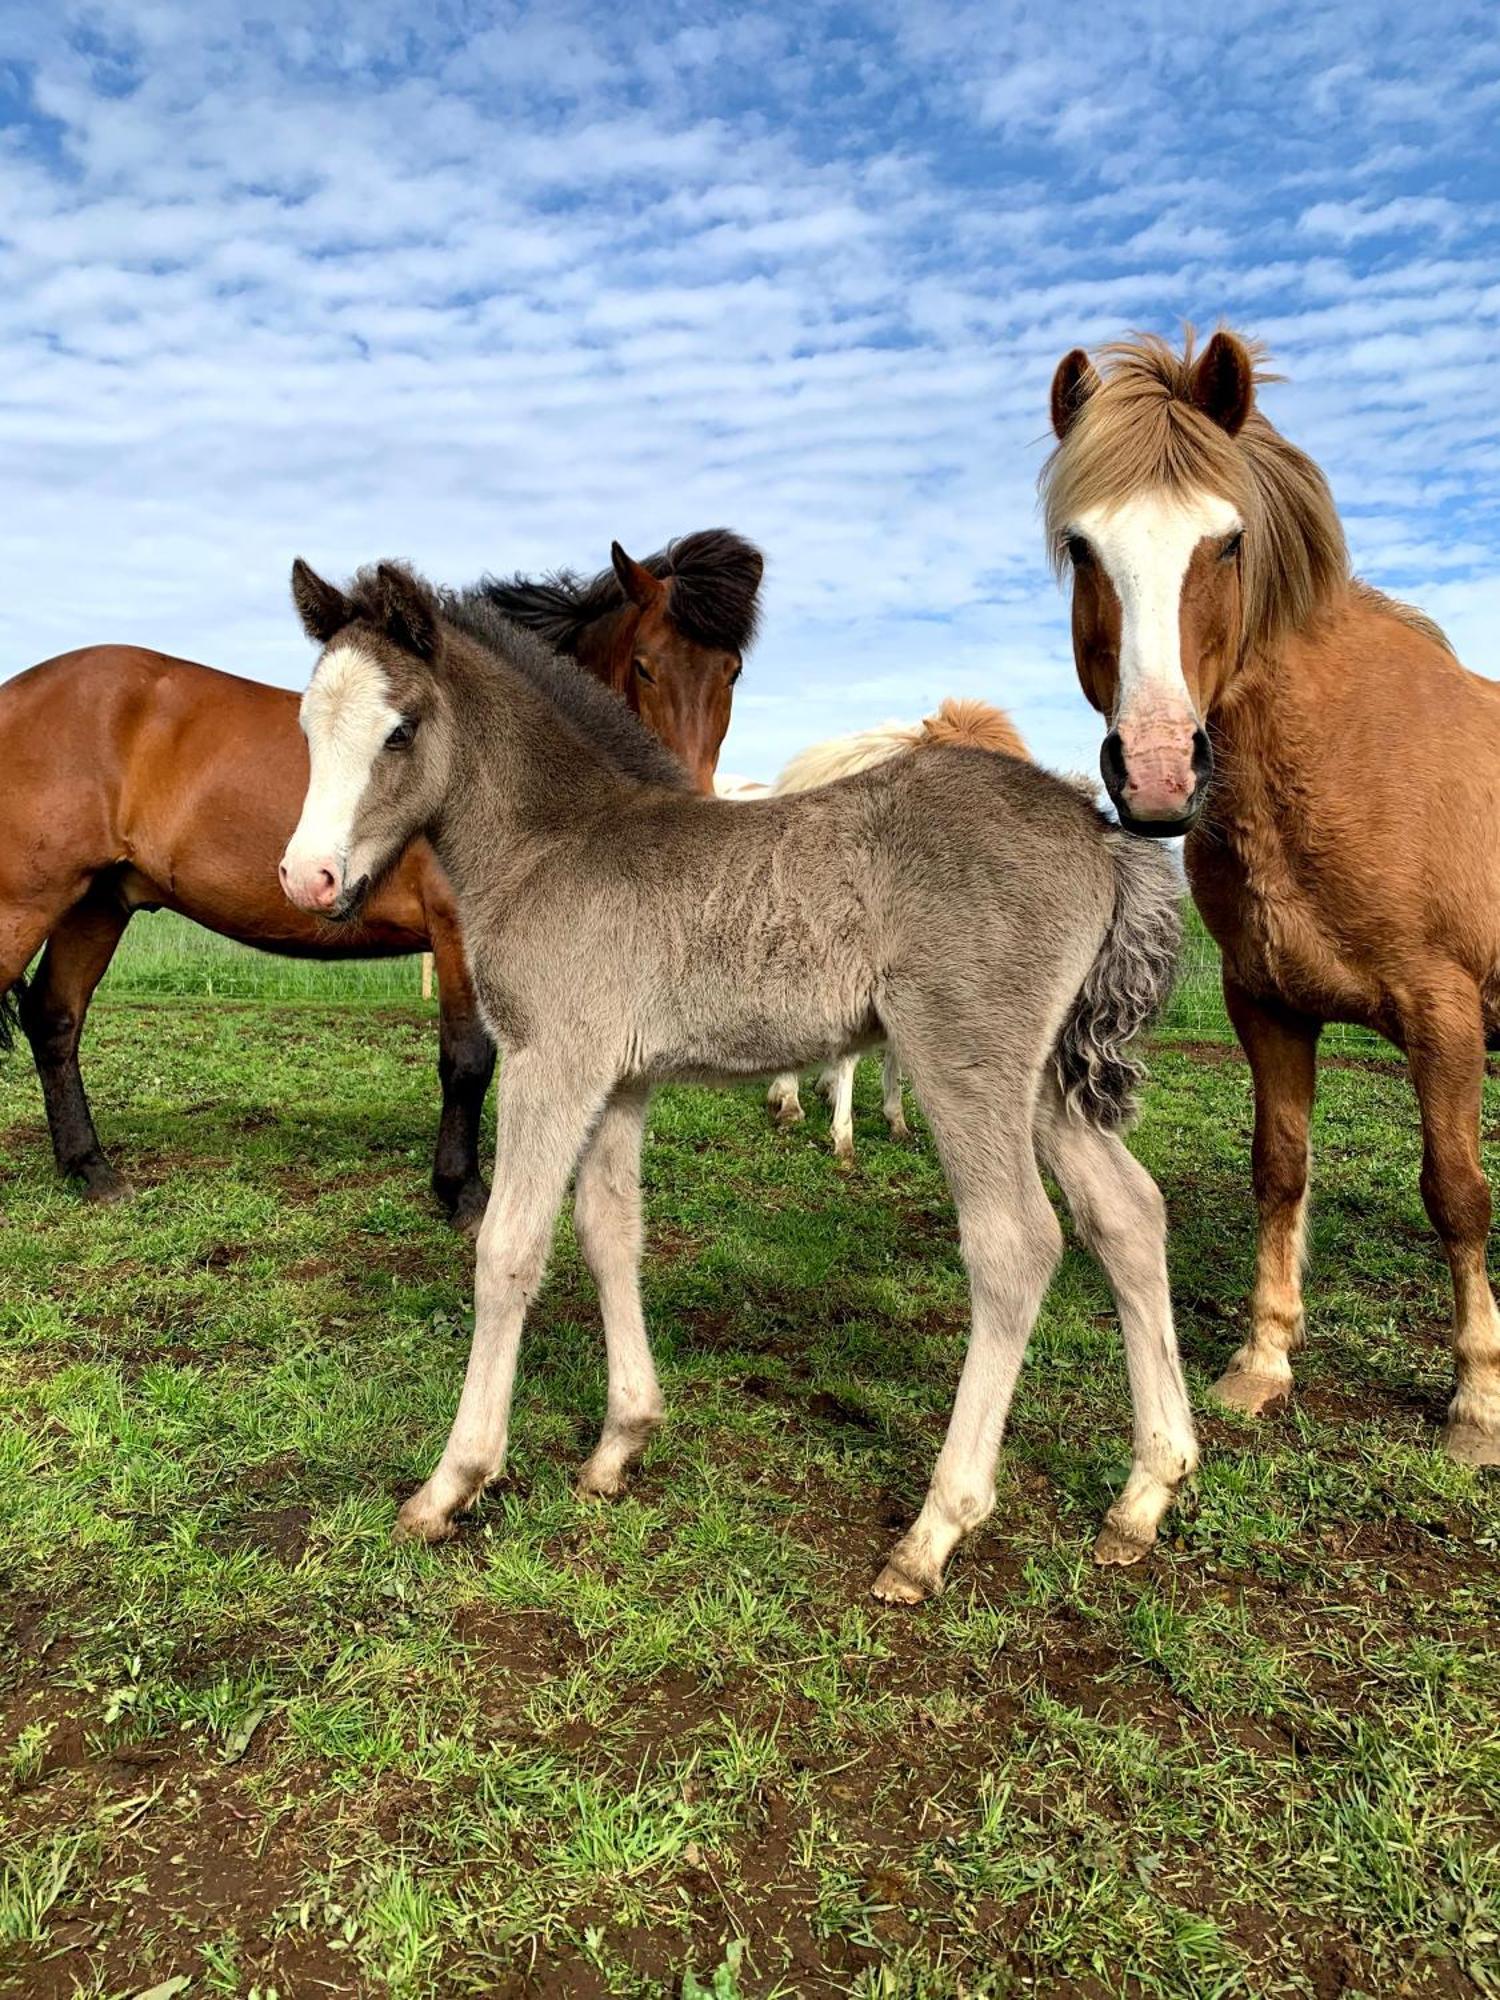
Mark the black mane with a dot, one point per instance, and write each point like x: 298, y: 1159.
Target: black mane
x: 714, y: 575
x: 597, y: 714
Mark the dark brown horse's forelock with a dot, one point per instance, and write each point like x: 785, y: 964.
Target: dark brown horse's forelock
x: 714, y: 576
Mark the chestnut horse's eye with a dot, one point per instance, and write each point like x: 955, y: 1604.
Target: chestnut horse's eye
x: 402, y: 735
x: 1079, y: 552
x: 1231, y: 546
x: 644, y: 671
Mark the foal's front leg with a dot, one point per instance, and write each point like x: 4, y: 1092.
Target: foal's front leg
x: 607, y: 1218
x: 544, y: 1119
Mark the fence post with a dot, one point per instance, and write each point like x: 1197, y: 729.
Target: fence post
x: 427, y: 975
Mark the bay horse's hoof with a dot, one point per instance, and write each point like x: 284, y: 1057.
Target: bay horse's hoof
x: 1115, y: 1549
x: 1253, y: 1395
x: 103, y: 1185
x: 1467, y: 1444
x: 466, y: 1209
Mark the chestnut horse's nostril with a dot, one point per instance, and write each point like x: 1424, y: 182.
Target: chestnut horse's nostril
x: 1112, y: 764
x: 1203, y: 759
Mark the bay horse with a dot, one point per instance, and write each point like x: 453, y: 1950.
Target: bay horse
x: 622, y: 931
x: 957, y: 722
x: 137, y: 781
x: 1337, y: 774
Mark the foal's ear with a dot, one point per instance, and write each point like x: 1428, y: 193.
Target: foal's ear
x: 1075, y: 381
x: 637, y: 582
x: 1223, y: 383
x: 322, y: 609
x: 408, y: 609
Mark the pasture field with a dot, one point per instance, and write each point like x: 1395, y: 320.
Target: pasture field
x: 670, y: 1746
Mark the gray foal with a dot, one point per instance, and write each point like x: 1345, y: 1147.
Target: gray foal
x: 970, y: 910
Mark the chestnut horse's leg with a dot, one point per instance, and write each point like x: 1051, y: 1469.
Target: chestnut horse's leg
x: 607, y: 1217
x: 1444, y: 1036
x: 53, y: 1012
x: 466, y: 1062
x: 1283, y: 1050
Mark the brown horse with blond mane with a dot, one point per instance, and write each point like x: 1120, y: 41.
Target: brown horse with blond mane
x: 1337, y: 774
x: 136, y: 781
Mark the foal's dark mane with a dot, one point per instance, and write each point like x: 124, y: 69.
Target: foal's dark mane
x: 582, y: 703
x: 714, y: 577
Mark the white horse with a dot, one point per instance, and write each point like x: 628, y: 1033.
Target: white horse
x: 971, y: 725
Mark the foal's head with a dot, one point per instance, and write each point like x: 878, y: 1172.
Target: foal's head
x: 378, y: 732
x: 1194, y: 533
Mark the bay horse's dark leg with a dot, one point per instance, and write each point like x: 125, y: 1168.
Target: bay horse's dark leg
x: 1444, y: 1034
x: 1282, y: 1047
x: 53, y: 1010
x: 466, y: 1062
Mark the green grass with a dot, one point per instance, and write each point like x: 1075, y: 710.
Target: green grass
x: 671, y: 1745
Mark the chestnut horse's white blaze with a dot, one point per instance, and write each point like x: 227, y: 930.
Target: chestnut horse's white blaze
x: 1144, y: 546
x: 347, y: 718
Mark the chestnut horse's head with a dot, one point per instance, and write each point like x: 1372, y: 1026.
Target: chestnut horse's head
x: 669, y: 634
x: 1194, y: 532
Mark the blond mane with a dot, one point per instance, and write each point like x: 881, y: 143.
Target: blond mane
x: 1141, y: 430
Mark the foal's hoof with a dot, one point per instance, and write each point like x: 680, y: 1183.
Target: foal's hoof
x: 907, y: 1580
x: 900, y: 1131
x: 1467, y: 1444
x: 783, y: 1115
x: 1254, y: 1395
x: 600, y: 1482
x: 1115, y: 1549
x: 420, y: 1521
x: 843, y: 1155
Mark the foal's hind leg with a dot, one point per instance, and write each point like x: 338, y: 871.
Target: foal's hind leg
x: 783, y: 1101
x: 839, y: 1077
x: 607, y: 1218
x: 981, y: 1119
x: 545, y: 1117
x: 1119, y: 1213
x: 891, y: 1101
x: 1444, y: 1035
x: 53, y: 1011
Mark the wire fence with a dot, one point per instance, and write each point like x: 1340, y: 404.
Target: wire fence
x: 164, y: 957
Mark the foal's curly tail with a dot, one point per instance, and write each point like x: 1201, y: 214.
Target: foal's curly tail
x: 1127, y: 988
x: 10, y: 1015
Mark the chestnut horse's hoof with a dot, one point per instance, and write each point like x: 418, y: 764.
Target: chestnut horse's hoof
x: 1467, y: 1444
x: 1252, y: 1395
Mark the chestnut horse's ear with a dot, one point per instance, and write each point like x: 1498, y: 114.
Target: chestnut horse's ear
x: 1223, y: 384
x: 322, y: 609
x: 408, y: 609
x: 1075, y: 381
x: 637, y: 582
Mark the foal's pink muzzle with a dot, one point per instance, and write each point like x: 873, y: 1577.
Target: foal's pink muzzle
x: 313, y: 885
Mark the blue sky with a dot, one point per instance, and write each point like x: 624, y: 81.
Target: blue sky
x: 486, y: 287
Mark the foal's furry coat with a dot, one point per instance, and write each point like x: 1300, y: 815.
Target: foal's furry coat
x: 968, y: 908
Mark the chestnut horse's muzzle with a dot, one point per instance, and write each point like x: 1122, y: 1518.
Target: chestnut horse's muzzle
x: 1157, y: 796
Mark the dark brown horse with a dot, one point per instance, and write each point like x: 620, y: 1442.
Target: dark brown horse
x: 135, y: 781
x: 1337, y: 773
x: 669, y: 634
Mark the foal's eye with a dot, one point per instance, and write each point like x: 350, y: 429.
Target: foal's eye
x: 1231, y: 546
x: 644, y: 671
x: 1079, y: 552
x: 402, y: 735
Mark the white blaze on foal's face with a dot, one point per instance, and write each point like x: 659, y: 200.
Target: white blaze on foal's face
x: 348, y: 719
x: 1154, y: 578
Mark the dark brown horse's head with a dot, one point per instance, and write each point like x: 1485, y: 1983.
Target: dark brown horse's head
x: 679, y: 684
x: 669, y: 634
x: 1194, y: 533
